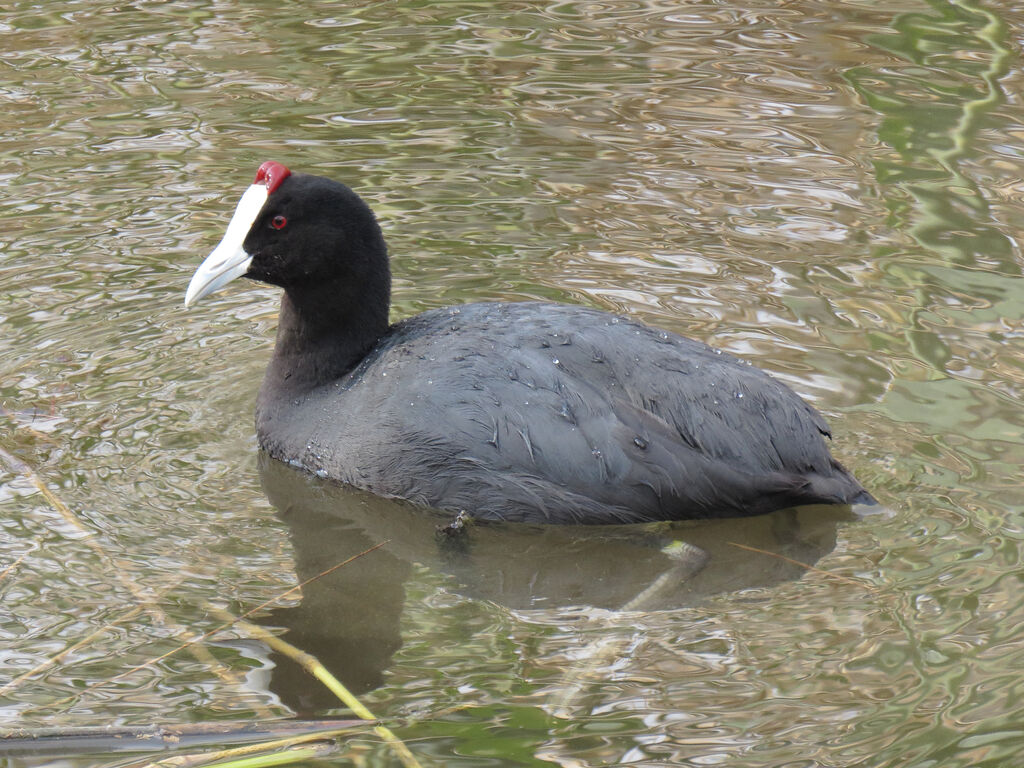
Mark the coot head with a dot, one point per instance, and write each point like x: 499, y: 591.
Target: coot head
x: 307, y: 234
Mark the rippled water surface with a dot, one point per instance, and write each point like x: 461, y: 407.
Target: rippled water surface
x: 831, y: 190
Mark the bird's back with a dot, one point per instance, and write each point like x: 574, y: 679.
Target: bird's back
x: 557, y: 413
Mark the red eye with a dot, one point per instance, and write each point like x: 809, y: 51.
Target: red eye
x: 278, y: 222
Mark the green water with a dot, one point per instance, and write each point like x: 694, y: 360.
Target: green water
x: 829, y: 190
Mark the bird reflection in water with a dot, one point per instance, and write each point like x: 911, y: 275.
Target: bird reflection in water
x: 350, y: 619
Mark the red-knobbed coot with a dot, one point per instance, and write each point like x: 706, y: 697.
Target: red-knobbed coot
x: 509, y: 411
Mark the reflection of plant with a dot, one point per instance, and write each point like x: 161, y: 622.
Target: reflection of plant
x: 932, y: 109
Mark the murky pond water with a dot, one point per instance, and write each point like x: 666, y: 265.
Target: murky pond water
x: 829, y: 190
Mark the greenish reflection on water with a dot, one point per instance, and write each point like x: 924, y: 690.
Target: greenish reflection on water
x: 934, y: 104
x: 831, y: 191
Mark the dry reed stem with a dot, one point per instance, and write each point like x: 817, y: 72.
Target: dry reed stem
x: 821, y: 572
x: 312, y: 665
x: 11, y: 685
x: 147, y: 600
x: 227, y: 624
x: 291, y: 756
x: 205, y: 758
x: 690, y: 560
x: 12, y: 566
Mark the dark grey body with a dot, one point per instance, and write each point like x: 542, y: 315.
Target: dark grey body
x: 553, y: 413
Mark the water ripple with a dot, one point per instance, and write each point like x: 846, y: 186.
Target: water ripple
x: 831, y: 192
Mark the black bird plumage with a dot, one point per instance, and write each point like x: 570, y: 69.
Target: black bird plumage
x: 525, y: 411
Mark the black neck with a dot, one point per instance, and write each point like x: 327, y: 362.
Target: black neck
x: 324, y: 331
